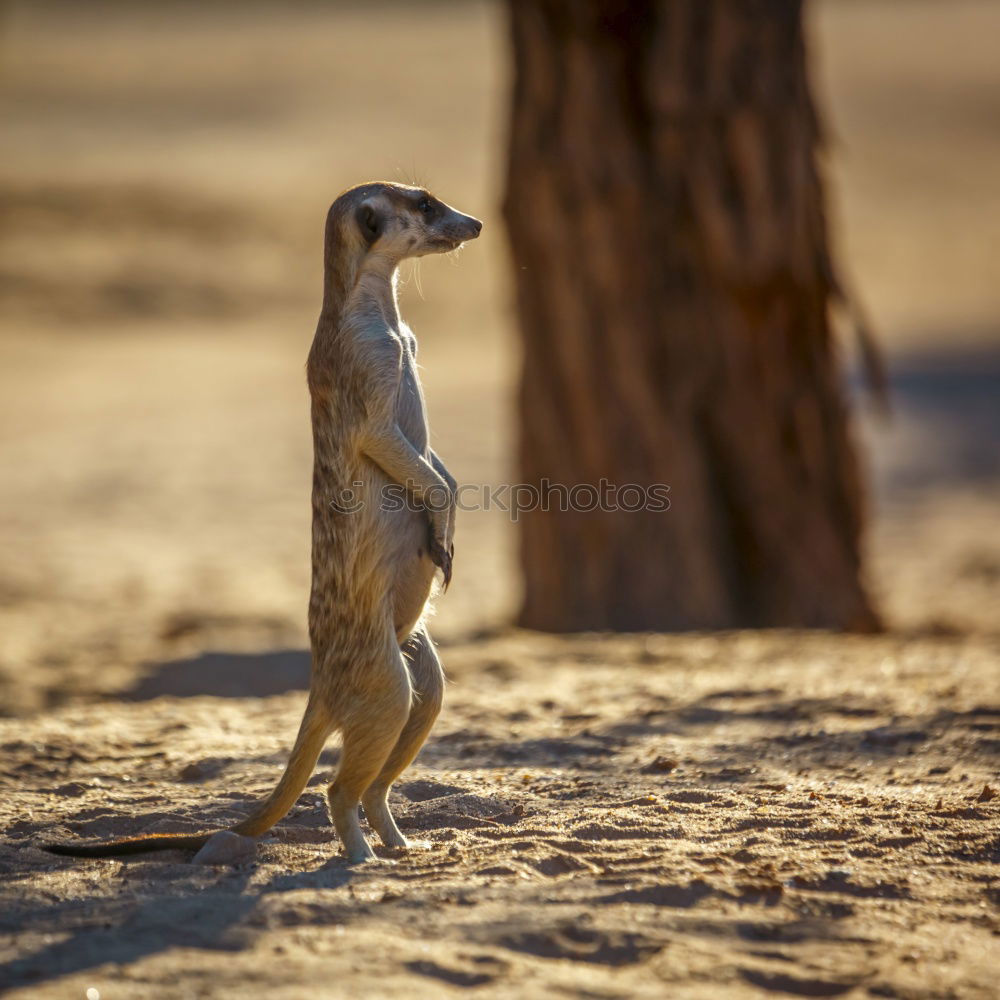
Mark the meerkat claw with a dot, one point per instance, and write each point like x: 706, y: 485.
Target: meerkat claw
x: 442, y: 558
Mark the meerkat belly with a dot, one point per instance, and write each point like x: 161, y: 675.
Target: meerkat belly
x: 411, y: 565
x: 411, y: 413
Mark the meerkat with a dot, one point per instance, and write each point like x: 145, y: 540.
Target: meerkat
x: 376, y: 677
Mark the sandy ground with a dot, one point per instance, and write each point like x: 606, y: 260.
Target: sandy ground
x: 690, y: 816
x: 608, y: 817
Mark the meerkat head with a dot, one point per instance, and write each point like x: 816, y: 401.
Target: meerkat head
x: 397, y: 221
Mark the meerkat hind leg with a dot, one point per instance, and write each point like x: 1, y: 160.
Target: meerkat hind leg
x: 373, y: 725
x: 427, y: 679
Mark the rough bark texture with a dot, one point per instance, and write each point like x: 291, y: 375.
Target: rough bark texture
x: 674, y: 284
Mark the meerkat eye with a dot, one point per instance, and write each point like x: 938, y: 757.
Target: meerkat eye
x: 425, y: 206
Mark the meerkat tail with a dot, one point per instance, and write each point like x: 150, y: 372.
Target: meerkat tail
x: 313, y: 734
x: 132, y: 845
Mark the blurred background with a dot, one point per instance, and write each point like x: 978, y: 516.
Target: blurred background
x: 164, y: 174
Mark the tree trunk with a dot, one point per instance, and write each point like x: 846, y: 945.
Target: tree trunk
x: 673, y: 285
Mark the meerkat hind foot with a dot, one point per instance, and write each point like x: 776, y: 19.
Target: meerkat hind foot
x: 380, y: 818
x: 357, y: 850
x: 414, y: 844
x: 360, y: 856
x: 408, y: 844
x: 345, y: 822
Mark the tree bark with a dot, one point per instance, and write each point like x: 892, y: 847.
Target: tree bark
x: 673, y: 282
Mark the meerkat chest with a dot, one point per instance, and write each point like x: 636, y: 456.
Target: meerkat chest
x: 411, y: 411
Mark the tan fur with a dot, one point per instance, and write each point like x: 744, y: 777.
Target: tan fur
x: 375, y: 675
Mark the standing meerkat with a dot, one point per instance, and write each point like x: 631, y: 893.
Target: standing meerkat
x: 376, y: 677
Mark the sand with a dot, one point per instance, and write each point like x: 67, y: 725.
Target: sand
x: 644, y: 816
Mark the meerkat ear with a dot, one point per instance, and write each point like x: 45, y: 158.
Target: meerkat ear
x: 368, y: 222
